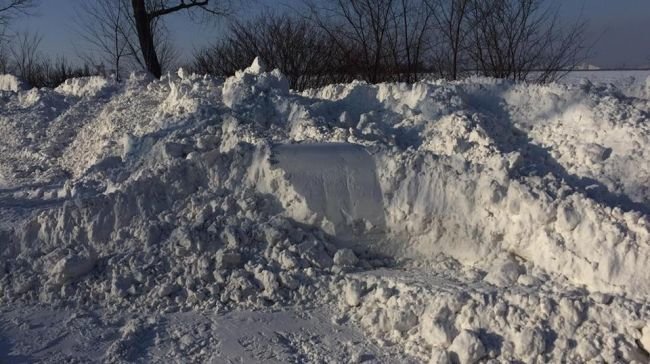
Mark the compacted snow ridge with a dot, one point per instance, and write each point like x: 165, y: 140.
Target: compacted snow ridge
x: 193, y: 219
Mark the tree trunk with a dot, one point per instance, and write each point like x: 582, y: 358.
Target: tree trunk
x: 143, y: 26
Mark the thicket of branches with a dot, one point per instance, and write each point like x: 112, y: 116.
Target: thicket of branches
x: 20, y: 54
x: 25, y: 60
x: 291, y: 44
x: 120, y: 36
x: 403, y: 40
x: 323, y: 42
x: 110, y: 33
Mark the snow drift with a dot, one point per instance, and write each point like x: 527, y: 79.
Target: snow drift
x: 194, y: 193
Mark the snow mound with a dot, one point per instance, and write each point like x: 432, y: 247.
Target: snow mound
x: 240, y: 90
x: 83, y: 87
x: 11, y: 83
x: 464, y: 221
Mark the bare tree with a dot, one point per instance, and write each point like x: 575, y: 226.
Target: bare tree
x: 104, y: 25
x: 410, y: 26
x: 4, y: 59
x: 378, y: 40
x: 293, y: 45
x: 359, y: 30
x: 452, y: 20
x: 168, y: 54
x: 26, y: 61
x: 145, y: 14
x: 9, y: 9
x: 25, y: 55
x: 52, y: 73
x: 514, y: 38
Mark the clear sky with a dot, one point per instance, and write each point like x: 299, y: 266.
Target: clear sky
x: 619, y: 28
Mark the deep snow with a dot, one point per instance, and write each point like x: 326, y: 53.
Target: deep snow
x: 197, y: 219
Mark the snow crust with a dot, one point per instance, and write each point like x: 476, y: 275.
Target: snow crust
x: 472, y: 221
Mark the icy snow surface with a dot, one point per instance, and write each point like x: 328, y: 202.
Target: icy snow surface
x: 197, y: 220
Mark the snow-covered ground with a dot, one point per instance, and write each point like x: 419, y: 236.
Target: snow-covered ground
x: 192, y: 219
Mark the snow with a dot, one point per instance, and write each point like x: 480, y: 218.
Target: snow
x: 634, y: 83
x: 467, y: 348
x: 196, y: 219
x: 84, y: 86
x: 11, y: 83
x: 342, y: 194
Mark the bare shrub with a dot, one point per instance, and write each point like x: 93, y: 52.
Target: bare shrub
x: 27, y: 62
x: 514, y: 38
x: 293, y: 45
x: 145, y: 16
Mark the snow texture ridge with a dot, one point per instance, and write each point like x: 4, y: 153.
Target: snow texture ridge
x: 469, y: 221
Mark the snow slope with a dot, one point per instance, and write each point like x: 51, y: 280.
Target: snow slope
x: 435, y: 222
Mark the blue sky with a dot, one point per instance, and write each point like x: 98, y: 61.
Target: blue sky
x: 621, y: 28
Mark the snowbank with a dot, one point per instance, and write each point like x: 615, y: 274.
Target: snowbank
x: 505, y: 219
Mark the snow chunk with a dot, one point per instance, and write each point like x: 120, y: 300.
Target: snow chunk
x: 72, y: 266
x: 83, y: 86
x: 467, y: 348
x: 256, y: 68
x: 530, y: 343
x: 439, y: 356
x: 345, y: 258
x: 504, y: 271
x: 252, y: 82
x: 353, y: 291
x: 11, y: 83
x: 645, y: 338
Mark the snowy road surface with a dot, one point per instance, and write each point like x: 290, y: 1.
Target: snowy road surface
x: 193, y: 219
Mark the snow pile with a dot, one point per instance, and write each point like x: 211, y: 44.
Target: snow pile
x: 11, y: 83
x: 456, y: 222
x: 83, y: 86
x: 239, y: 91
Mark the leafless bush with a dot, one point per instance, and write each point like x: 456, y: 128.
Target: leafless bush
x: 103, y: 25
x: 146, y: 14
x: 54, y: 72
x: 358, y: 29
x: 514, y: 38
x: 342, y: 40
x: 452, y: 28
x: 400, y: 39
x: 409, y: 39
x: 4, y: 59
x: 27, y: 62
x: 293, y: 45
x: 337, y: 41
x: 10, y: 9
x: 25, y: 57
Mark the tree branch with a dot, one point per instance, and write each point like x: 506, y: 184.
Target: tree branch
x: 181, y: 6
